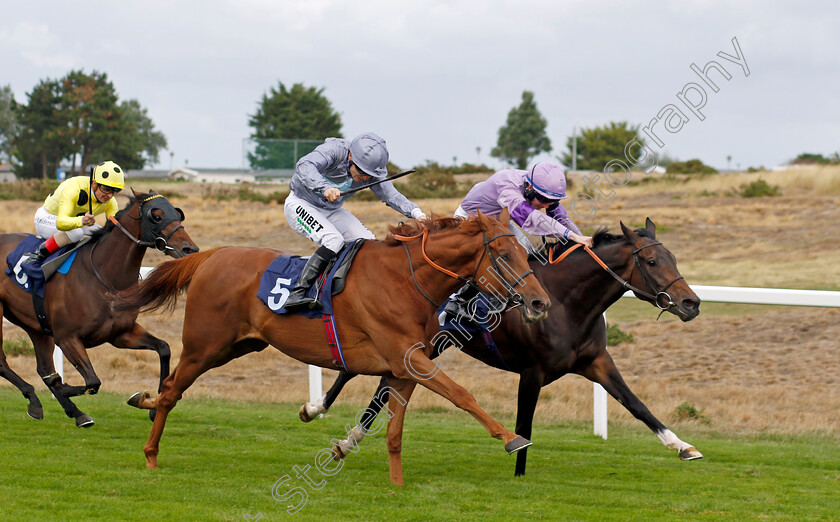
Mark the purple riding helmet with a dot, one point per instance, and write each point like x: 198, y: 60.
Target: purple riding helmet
x: 548, y: 180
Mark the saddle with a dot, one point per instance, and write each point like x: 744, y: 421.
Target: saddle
x: 280, y: 277
x: 32, y: 277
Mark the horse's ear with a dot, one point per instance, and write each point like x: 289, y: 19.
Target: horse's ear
x: 504, y: 217
x: 628, y: 233
x: 133, y: 192
x: 650, y: 226
x: 482, y: 219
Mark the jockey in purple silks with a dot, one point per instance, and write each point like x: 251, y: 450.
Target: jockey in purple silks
x: 524, y: 193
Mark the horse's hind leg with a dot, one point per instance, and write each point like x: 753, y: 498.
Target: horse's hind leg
x: 603, y: 371
x: 35, y: 409
x: 44, y: 348
x: 357, y: 434
x: 311, y: 410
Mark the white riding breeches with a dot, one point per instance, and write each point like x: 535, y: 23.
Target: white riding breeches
x: 45, y: 227
x: 327, y: 228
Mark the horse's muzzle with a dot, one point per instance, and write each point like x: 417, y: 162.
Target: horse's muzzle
x: 535, y: 310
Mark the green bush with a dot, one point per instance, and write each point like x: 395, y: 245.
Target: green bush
x: 759, y: 188
x: 28, y: 189
x: 687, y: 411
x: 18, y: 346
x: 692, y: 166
x: 616, y: 336
x: 241, y: 193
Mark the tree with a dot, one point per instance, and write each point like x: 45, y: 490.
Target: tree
x: 139, y: 144
x: 8, y: 123
x: 43, y: 138
x: 598, y: 145
x: 523, y: 137
x: 80, y: 115
x: 296, y: 113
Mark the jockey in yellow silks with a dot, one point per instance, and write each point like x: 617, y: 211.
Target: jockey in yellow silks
x: 69, y: 212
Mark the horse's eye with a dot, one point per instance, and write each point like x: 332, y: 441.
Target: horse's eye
x: 505, y: 256
x: 156, y: 219
x: 651, y: 262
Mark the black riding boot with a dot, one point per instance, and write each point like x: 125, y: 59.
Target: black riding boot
x: 313, y: 268
x: 457, y: 305
x: 39, y: 255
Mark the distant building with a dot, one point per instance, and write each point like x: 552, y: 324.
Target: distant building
x: 226, y: 176
x: 7, y: 175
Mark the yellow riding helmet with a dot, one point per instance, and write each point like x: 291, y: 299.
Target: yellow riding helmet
x: 109, y: 174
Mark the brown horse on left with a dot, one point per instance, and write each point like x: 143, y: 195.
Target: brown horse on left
x: 80, y: 315
x: 390, y: 294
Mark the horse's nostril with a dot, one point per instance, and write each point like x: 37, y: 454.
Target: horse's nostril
x: 537, y: 305
x: 689, y: 304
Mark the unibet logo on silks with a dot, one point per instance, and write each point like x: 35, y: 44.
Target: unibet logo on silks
x: 307, y: 221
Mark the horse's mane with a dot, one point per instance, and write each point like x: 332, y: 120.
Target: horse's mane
x: 109, y: 226
x: 600, y: 238
x: 469, y: 225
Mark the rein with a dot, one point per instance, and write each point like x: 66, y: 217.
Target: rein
x: 160, y: 243
x: 512, y: 297
x: 624, y: 283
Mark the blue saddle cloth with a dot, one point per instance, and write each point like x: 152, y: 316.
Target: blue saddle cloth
x: 282, y: 275
x: 30, y: 277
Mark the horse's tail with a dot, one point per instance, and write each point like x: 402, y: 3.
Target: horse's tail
x: 163, y: 285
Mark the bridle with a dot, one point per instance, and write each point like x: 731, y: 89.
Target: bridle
x: 159, y: 243
x: 655, y: 298
x: 512, y: 300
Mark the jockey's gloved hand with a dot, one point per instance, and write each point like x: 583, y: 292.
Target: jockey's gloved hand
x: 418, y: 214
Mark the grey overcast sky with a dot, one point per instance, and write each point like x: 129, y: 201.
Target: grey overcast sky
x: 437, y: 78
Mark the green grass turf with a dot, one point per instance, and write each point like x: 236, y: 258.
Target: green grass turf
x: 220, y: 459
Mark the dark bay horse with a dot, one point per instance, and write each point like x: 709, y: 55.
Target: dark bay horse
x: 79, y: 313
x: 573, y: 338
x: 391, y: 292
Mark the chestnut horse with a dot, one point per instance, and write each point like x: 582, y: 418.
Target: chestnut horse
x: 391, y: 292
x: 573, y: 338
x: 76, y: 305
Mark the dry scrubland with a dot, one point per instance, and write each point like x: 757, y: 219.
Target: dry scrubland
x: 771, y: 369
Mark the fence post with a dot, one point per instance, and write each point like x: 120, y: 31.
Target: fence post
x: 599, y: 406
x: 315, y: 386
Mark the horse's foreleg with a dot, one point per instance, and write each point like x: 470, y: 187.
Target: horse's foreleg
x: 76, y: 353
x: 400, y: 393
x: 530, y: 384
x: 603, y: 371
x: 139, y: 339
x: 424, y: 372
x: 310, y: 410
x: 192, y: 364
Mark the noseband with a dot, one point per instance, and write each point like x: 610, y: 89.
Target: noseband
x: 158, y: 242
x: 512, y: 300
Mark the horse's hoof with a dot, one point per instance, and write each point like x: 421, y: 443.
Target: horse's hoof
x: 84, y: 421
x: 517, y: 444
x: 690, y: 453
x: 303, y: 414
x: 337, y: 452
x: 135, y: 399
x: 35, y: 412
